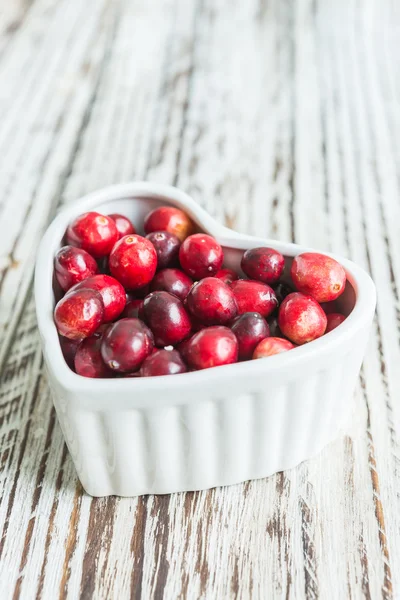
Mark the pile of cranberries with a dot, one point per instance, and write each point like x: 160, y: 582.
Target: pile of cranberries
x: 135, y: 306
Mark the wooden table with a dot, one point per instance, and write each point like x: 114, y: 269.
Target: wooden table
x: 282, y: 119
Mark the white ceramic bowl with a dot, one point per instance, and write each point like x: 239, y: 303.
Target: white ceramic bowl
x: 207, y: 428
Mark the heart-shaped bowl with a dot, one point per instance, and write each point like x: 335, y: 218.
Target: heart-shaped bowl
x: 202, y: 429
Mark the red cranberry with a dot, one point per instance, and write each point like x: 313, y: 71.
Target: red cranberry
x: 333, y: 321
x: 167, y: 318
x: 270, y: 346
x: 254, y: 296
x: 212, y: 347
x: 212, y: 302
x: 301, y: 319
x: 123, y: 224
x: 112, y: 293
x: 167, y: 247
x: 69, y: 348
x: 249, y: 328
x: 318, y: 275
x: 79, y: 314
x: 263, y: 264
x: 133, y: 309
x: 93, y: 232
x: 73, y: 265
x: 133, y: 261
x: 183, y: 347
x: 226, y: 275
x: 163, y: 362
x: 282, y: 290
x: 88, y: 359
x: 171, y: 219
x: 173, y: 281
x: 201, y: 256
x: 126, y: 344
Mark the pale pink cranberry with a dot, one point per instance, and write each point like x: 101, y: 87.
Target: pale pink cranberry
x: 163, y: 362
x: 123, y: 224
x: 167, y: 318
x: 226, y: 275
x: 167, y: 247
x: 69, y: 348
x: 254, y: 296
x: 318, y: 275
x: 72, y: 265
x: 93, y: 232
x: 133, y: 309
x: 263, y: 264
x: 334, y: 320
x: 173, y: 281
x: 301, y: 319
x: 88, y: 359
x: 126, y: 344
x: 112, y: 293
x: 270, y: 346
x: 212, y: 347
x: 212, y: 302
x: 200, y: 256
x: 249, y: 328
x: 133, y: 261
x: 168, y: 218
x: 79, y: 314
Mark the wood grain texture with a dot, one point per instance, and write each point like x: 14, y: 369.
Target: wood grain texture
x: 282, y: 119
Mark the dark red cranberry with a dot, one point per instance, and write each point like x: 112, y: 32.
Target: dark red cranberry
x: 167, y: 318
x: 270, y: 346
x: 301, y: 319
x: 88, y: 359
x: 249, y: 328
x: 333, y: 321
x: 173, y: 281
x: 183, y: 347
x: 254, y: 296
x: 212, y: 302
x: 133, y: 261
x: 133, y: 309
x: 167, y: 247
x: 79, y: 314
x: 112, y: 293
x: 212, y: 347
x: 93, y: 232
x: 123, y: 224
x: 171, y: 219
x: 69, y: 348
x: 282, y: 290
x: 263, y: 264
x: 72, y: 265
x: 318, y: 275
x: 163, y: 362
x: 226, y: 275
x: 126, y: 344
x: 274, y: 330
x: 200, y: 256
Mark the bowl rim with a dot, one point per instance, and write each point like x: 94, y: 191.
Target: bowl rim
x: 316, y: 351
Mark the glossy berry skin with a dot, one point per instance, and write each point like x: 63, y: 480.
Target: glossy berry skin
x: 200, y: 256
x: 123, y: 224
x: 93, y: 232
x: 88, y: 359
x: 212, y: 347
x: 249, y: 328
x: 212, y: 302
x: 79, y: 314
x: 301, y: 319
x: 281, y: 291
x: 173, y: 281
x: 254, y: 296
x: 163, y: 362
x: 133, y: 261
x: 69, y: 348
x: 171, y: 219
x: 133, y: 309
x: 319, y: 276
x: 167, y: 247
x: 226, y: 275
x: 111, y: 291
x: 334, y: 320
x: 270, y: 346
x: 167, y: 318
x: 126, y: 344
x: 263, y: 264
x: 73, y: 265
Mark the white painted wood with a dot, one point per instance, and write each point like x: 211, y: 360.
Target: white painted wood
x: 282, y: 119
